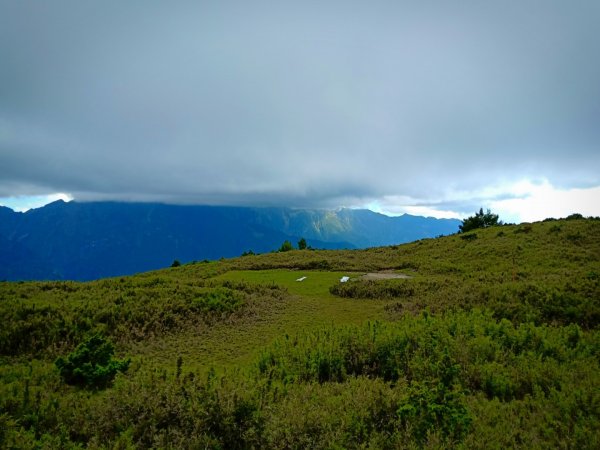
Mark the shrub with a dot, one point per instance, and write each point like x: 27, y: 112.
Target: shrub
x: 319, y: 264
x: 575, y: 238
x: 479, y: 220
x: 176, y: 263
x: 373, y: 289
x: 286, y: 246
x: 91, y: 364
x: 575, y: 216
x: 219, y: 300
x: 524, y: 228
x: 435, y: 406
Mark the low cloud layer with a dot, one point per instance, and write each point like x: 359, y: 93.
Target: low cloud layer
x: 415, y: 105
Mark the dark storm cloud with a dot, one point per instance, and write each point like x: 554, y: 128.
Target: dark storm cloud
x: 296, y: 104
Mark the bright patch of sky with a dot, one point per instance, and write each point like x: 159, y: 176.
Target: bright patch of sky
x: 386, y: 206
x: 523, y: 201
x: 537, y: 202
x: 26, y: 202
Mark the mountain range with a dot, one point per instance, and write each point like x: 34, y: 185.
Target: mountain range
x: 90, y: 240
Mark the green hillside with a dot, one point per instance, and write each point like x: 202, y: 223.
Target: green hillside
x: 488, y: 339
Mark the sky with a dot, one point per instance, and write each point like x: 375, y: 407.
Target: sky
x: 431, y: 108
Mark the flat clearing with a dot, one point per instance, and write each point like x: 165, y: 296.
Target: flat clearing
x: 228, y: 345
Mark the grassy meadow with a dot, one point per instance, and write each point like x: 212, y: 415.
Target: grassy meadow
x: 491, y: 341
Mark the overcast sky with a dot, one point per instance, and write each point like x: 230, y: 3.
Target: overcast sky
x: 427, y: 107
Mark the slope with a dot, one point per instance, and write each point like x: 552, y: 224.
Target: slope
x: 493, y: 341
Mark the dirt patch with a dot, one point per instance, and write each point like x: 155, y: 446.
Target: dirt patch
x: 384, y: 276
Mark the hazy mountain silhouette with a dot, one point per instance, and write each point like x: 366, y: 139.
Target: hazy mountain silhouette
x: 83, y: 241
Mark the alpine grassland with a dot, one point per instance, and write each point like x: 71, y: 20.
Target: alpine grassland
x: 484, y: 339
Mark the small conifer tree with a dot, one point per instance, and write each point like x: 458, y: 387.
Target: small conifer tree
x: 479, y: 220
x: 91, y: 364
x: 302, y: 244
x: 286, y: 246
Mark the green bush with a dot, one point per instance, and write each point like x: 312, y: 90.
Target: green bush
x: 219, y: 299
x: 432, y: 407
x: 479, y: 220
x: 91, y: 364
x: 373, y: 289
x: 286, y: 246
x: 524, y: 228
x: 575, y: 216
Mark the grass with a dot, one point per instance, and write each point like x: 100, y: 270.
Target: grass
x: 316, y: 283
x: 492, y: 342
x: 229, y: 345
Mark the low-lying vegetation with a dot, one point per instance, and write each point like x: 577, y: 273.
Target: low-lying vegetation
x: 559, y: 302
x: 45, y: 318
x: 91, y: 364
x: 492, y: 342
x: 374, y: 289
x: 423, y: 381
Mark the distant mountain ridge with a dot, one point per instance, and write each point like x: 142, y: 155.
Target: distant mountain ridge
x: 83, y: 241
